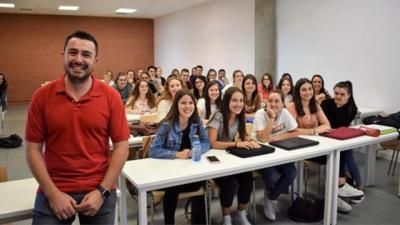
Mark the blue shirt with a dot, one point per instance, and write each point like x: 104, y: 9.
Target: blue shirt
x: 168, y: 139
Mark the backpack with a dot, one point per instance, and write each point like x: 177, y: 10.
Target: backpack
x: 11, y: 141
x: 306, y: 210
x: 393, y: 120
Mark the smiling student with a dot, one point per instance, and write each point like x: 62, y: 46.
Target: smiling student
x: 173, y: 141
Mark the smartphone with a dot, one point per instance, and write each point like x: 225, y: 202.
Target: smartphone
x: 213, y: 159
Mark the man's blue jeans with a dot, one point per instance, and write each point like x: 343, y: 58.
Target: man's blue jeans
x: 43, y: 214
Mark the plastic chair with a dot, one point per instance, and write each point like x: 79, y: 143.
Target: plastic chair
x: 395, y: 146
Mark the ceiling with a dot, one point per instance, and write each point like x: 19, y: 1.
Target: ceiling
x: 102, y: 8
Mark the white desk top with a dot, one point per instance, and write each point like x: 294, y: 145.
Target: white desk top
x: 17, y: 197
x: 134, y: 117
x: 149, y: 174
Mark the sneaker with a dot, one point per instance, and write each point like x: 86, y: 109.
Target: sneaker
x: 356, y: 200
x: 242, y: 218
x: 269, y: 208
x: 347, y: 191
x: 343, y: 206
x: 227, y: 220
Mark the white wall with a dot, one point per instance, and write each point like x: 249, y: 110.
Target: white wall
x: 218, y: 34
x: 357, y: 40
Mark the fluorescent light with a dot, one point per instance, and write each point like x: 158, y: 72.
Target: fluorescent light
x: 7, y: 5
x: 125, y: 10
x: 68, y: 7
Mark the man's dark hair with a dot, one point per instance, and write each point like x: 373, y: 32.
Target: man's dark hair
x: 84, y: 36
x: 221, y: 70
x: 199, y: 66
x: 151, y: 67
x: 184, y: 70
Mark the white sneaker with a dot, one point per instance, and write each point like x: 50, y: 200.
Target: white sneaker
x: 343, y: 206
x: 227, y: 220
x: 357, y: 200
x: 347, y: 191
x: 242, y: 218
x: 269, y: 208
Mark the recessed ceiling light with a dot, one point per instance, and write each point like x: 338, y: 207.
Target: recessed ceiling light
x: 7, y: 5
x: 125, y: 10
x: 68, y: 7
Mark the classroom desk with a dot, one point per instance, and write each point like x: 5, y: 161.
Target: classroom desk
x: 363, y: 141
x: 135, y: 118
x: 17, y: 198
x: 160, y: 173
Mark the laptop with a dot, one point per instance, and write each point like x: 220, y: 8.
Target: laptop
x: 343, y: 133
x: 294, y: 143
x: 245, y: 153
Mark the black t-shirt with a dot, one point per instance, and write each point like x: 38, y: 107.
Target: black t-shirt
x: 185, y: 143
x: 338, y: 117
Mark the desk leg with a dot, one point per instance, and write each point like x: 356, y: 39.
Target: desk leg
x: 335, y: 186
x: 370, y: 168
x: 142, y: 207
x: 328, y: 187
x: 398, y: 194
x: 299, y: 183
x: 122, y: 203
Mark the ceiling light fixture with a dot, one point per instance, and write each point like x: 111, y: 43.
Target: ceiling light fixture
x: 7, y: 5
x: 68, y: 7
x: 125, y: 10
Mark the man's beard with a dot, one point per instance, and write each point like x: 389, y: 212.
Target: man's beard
x: 78, y: 79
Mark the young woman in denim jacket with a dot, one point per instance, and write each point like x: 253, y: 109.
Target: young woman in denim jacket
x: 172, y: 141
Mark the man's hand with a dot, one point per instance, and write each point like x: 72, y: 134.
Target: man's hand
x: 62, y: 205
x: 91, y: 203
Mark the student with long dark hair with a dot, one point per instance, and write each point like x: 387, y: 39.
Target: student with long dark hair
x: 252, y: 100
x: 142, y: 100
x: 266, y: 86
x: 286, y: 86
x: 3, y: 93
x: 173, y: 141
x: 211, y: 101
x: 222, y: 129
x: 319, y: 88
x: 200, y: 83
x: 341, y: 111
x: 172, y: 86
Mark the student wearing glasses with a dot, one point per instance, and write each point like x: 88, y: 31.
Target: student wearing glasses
x: 266, y: 86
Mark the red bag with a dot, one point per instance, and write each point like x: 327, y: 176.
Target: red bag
x: 343, y: 133
x: 370, y: 131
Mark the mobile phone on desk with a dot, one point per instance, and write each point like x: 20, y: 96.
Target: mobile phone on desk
x: 213, y: 159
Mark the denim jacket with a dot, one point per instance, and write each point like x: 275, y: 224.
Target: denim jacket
x: 168, y: 140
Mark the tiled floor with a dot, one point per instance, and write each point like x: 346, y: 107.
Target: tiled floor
x: 381, y: 206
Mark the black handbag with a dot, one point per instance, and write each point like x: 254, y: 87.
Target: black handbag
x: 306, y: 210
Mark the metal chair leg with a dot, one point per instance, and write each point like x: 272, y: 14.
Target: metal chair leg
x: 395, y: 163
x: 254, y: 202
x: 391, y: 162
x: 206, y: 202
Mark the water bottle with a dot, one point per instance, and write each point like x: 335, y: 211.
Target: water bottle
x: 196, y: 148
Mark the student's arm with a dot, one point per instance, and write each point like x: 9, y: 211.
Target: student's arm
x: 61, y: 203
x: 157, y: 148
x: 212, y: 136
x: 203, y: 136
x: 290, y: 134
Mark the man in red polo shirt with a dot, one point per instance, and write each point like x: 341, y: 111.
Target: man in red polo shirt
x: 70, y: 122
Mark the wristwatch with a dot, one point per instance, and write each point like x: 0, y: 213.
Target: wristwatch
x: 104, y: 192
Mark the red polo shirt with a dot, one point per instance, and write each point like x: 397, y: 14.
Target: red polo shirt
x: 76, y: 134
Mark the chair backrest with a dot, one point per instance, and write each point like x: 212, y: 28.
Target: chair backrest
x: 3, y: 174
x: 149, y: 119
x: 146, y: 145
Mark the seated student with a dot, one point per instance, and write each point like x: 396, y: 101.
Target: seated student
x: 311, y: 120
x: 172, y: 86
x: 287, y: 75
x: 108, y: 78
x: 142, y: 101
x: 145, y: 76
x: 272, y: 124
x: 159, y: 76
x: 265, y: 87
x: 122, y: 86
x: 237, y: 80
x: 320, y: 92
x: 211, y: 101
x: 222, y: 77
x: 200, y: 83
x: 185, y: 78
x: 173, y: 141
x: 341, y: 111
x: 252, y: 100
x: 222, y: 128
x: 131, y: 76
x: 286, y: 85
